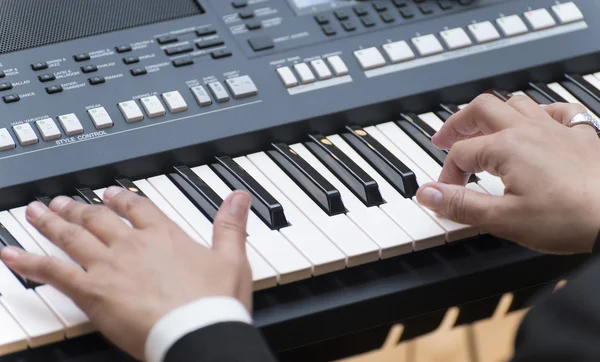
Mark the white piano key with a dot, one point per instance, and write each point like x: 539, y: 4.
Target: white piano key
x: 324, y: 256
x: 355, y: 244
x: 590, y: 78
x: 168, y: 210
x: 74, y: 319
x: 391, y: 239
x: 12, y: 336
x: 416, y: 224
x: 561, y: 91
x: 40, y: 324
x: 19, y: 233
x: 454, y: 230
x: 422, y: 177
x: 461, y: 106
x: 278, y: 252
x: 432, y: 120
x: 183, y: 206
x: 47, y: 246
x: 263, y: 274
x: 195, y: 218
x: 411, y: 149
x: 9, y: 284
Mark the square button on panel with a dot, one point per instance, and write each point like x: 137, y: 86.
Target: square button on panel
x: 484, y: 32
x: 456, y: 38
x: 6, y: 140
x: 48, y: 129
x: 398, y: 51
x: 321, y: 69
x: 337, y: 64
x: 567, y: 12
x: 512, y: 25
x: 100, y: 118
x: 241, y: 87
x: 201, y: 96
x: 131, y: 111
x: 70, y: 124
x: 369, y: 58
x: 540, y: 19
x: 287, y: 77
x: 261, y: 43
x: 427, y: 45
x: 304, y: 72
x: 218, y: 91
x: 153, y: 106
x: 25, y: 134
x: 175, y: 101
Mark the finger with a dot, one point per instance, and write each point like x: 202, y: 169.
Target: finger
x: 463, y: 205
x: 486, y: 114
x: 229, y: 234
x: 99, y: 220
x: 62, y: 275
x: 528, y: 107
x: 140, y: 211
x: 77, y: 242
x: 484, y: 153
x: 564, y: 112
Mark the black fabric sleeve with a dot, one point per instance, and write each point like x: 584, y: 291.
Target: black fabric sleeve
x: 565, y: 326
x: 222, y: 342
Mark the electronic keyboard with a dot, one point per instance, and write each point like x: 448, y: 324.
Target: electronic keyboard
x: 323, y: 110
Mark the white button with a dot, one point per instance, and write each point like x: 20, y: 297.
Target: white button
x: 175, y: 102
x: 321, y: 69
x: 35, y: 318
x: 287, y: 77
x: 75, y: 320
x: 370, y: 58
x: 201, y: 96
x: 153, y: 106
x: 218, y: 92
x: 567, y: 12
x: 306, y: 76
x: 70, y: 124
x: 484, y: 32
x: 6, y: 140
x: 512, y: 25
x: 241, y: 87
x: 456, y: 38
x: 398, y: 51
x: 427, y: 45
x: 131, y: 111
x: 25, y: 134
x: 338, y: 65
x: 48, y: 129
x: 539, y: 19
x: 100, y: 118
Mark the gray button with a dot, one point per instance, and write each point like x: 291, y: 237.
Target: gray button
x: 201, y: 96
x: 218, y: 92
x: 241, y: 87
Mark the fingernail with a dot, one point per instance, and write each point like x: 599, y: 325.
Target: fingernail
x: 59, y: 202
x: 430, y: 197
x: 35, y: 210
x: 239, y: 204
x: 112, y: 192
x: 10, y: 254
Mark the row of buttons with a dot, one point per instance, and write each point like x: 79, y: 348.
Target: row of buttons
x: 457, y: 38
x: 240, y: 87
x: 306, y: 75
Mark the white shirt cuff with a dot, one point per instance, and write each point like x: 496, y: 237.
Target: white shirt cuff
x: 189, y: 318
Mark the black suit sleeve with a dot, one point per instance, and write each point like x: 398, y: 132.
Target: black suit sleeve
x: 566, y: 326
x: 223, y: 342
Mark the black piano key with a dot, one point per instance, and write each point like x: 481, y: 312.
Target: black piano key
x: 450, y: 108
x: 88, y: 196
x: 383, y: 161
x: 263, y: 203
x: 422, y: 140
x: 547, y: 92
x: 127, y: 184
x: 195, y: 197
x: 7, y: 239
x: 420, y: 123
x: 44, y: 199
x: 586, y: 86
x: 354, y: 177
x: 499, y: 93
x: 582, y: 95
x: 205, y: 198
x: 79, y: 199
x: 444, y: 115
x: 538, y: 97
x: 305, y: 176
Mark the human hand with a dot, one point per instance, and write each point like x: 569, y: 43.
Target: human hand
x: 550, y: 171
x: 133, y: 276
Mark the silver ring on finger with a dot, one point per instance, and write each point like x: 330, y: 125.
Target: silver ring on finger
x: 585, y: 118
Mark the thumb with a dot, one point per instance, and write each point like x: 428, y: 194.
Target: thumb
x: 229, y: 235
x: 460, y: 204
